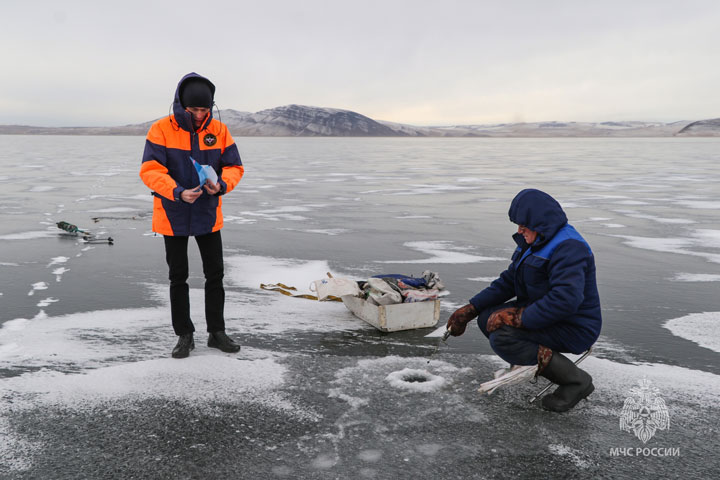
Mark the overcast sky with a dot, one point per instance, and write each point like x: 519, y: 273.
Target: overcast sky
x: 92, y: 63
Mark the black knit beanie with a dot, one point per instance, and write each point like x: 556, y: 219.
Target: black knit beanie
x: 196, y: 92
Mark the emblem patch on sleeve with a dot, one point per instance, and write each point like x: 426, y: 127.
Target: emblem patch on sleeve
x: 210, y: 140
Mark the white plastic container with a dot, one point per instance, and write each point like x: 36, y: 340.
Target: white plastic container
x: 400, y: 316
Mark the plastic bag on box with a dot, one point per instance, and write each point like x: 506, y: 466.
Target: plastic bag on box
x: 381, y: 293
x: 335, y: 287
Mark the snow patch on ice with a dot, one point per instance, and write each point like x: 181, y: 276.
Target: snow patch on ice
x: 287, y: 213
x: 37, y: 286
x: 47, y: 302
x: 239, y: 220
x: 707, y: 237
x: 58, y: 261
x: 661, y: 219
x: 94, y: 174
x: 696, y: 277
x: 83, y: 340
x: 441, y: 252
x: 115, y: 210
x: 319, y: 231
x: 679, y: 383
x: 676, y: 245
x: 631, y: 202
x: 272, y: 312
x: 100, y: 338
x: 575, y: 456
x: 700, y: 204
x: 167, y: 378
x: 58, y: 272
x: 250, y: 271
x: 701, y: 328
x: 429, y: 189
x: 670, y: 245
x: 14, y: 325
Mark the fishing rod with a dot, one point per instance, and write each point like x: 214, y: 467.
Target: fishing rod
x: 444, y: 338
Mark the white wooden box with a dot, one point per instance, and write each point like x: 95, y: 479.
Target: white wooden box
x: 400, y: 316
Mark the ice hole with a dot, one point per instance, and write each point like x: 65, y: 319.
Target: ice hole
x: 415, y: 380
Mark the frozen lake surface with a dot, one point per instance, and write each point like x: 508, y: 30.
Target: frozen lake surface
x: 88, y: 388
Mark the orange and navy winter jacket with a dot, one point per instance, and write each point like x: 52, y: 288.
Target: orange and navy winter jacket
x: 168, y: 170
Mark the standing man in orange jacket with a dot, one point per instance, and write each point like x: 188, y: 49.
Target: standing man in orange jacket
x: 186, y: 207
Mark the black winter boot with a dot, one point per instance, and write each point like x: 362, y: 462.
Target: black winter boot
x: 223, y: 342
x: 575, y: 384
x: 184, y: 345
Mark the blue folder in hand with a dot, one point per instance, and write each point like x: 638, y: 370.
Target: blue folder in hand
x: 205, y: 172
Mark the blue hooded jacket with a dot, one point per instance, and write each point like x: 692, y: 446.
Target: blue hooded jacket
x: 167, y: 168
x: 554, y: 278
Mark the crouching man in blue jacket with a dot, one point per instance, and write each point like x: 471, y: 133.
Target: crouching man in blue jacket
x: 556, y: 306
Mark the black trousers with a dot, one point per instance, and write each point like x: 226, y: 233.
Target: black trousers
x: 519, y: 346
x: 176, y: 255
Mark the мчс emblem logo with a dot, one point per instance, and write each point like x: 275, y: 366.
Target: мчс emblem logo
x: 644, y: 412
x: 210, y: 139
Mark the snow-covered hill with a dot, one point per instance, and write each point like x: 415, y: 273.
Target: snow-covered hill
x: 300, y: 120
x: 702, y: 128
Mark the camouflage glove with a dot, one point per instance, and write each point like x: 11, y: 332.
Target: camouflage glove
x: 506, y: 316
x: 460, y: 318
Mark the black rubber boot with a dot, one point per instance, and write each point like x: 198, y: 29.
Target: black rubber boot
x: 184, y: 345
x: 221, y: 341
x: 575, y: 384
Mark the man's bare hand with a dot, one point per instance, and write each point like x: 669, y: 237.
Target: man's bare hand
x: 212, y: 188
x: 189, y: 196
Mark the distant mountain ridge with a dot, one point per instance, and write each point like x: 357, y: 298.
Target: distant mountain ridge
x: 306, y: 121
x: 701, y: 128
x: 299, y: 120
